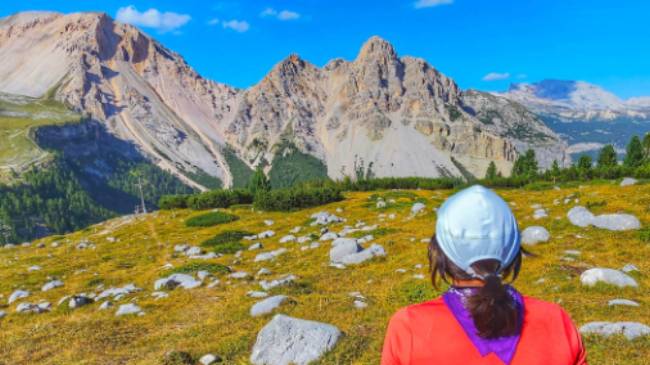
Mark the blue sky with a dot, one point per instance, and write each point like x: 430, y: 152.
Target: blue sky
x: 483, y: 44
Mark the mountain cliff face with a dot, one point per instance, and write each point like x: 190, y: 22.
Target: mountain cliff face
x: 385, y: 115
x: 585, y: 115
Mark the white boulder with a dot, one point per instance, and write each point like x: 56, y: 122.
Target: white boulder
x: 267, y: 305
x: 534, y: 234
x: 286, y: 340
x: 607, y: 276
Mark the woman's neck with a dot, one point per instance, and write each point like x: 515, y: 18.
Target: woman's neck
x: 468, y: 283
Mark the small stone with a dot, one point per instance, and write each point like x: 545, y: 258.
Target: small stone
x: 630, y: 330
x: 630, y: 268
x: 239, y: 275
x: 18, y: 294
x: 540, y: 213
x: 257, y: 294
x: 417, y: 208
x: 34, y: 268
x: 105, y: 305
x: 359, y: 304
x: 627, y: 302
x: 52, y: 285
x: 185, y: 281
x: 127, y: 309
x: 265, y: 234
x: 268, y: 285
x: 263, y: 271
x: 628, y: 181
x: 79, y: 301
x: 534, y: 235
x: 209, y: 359
x: 159, y: 294
x: 270, y: 255
x: 329, y: 236
x: 268, y: 222
x: 255, y: 246
x: 267, y: 305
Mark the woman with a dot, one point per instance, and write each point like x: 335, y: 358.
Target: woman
x: 479, y: 320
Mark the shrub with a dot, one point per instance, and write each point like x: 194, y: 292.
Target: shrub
x: 193, y: 267
x: 219, y: 199
x: 173, y: 202
x: 226, y: 242
x: 644, y: 234
x: 210, y: 219
x: 297, y: 198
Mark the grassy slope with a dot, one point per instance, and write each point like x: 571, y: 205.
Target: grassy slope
x: 217, y: 320
x: 17, y: 149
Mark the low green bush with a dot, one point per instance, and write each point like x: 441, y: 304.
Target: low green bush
x: 226, y: 242
x: 297, y: 198
x: 644, y: 234
x: 210, y: 219
x: 193, y: 267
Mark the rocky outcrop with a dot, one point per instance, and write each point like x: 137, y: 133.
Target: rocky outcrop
x: 385, y: 115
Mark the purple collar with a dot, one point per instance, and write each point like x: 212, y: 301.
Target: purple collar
x: 503, y: 347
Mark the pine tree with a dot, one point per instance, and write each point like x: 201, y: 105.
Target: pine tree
x: 607, y: 157
x: 259, y: 182
x: 491, y: 172
x: 646, y: 147
x: 525, y: 165
x: 555, y: 170
x: 634, y: 156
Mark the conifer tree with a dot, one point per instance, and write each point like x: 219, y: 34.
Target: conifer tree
x: 634, y: 156
x: 607, y: 157
x: 259, y: 182
x: 491, y: 172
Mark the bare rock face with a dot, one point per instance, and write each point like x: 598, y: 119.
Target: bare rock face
x: 380, y: 113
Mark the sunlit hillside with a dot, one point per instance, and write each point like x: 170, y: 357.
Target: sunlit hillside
x: 214, y: 317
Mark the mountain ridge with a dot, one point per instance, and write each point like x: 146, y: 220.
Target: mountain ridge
x: 399, y: 115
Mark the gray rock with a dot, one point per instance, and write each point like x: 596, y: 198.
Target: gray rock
x: 127, y: 309
x: 105, y: 305
x: 209, y: 359
x: 79, y: 301
x: 630, y: 330
x: 627, y: 302
x: 270, y: 255
x: 540, y: 213
x: 324, y: 218
x: 159, y: 294
x: 417, y: 208
x: 193, y: 251
x: 288, y: 238
x: 34, y: 268
x: 628, y: 181
x: 202, y: 275
x: 257, y: 294
x: 268, y: 222
x: 607, y: 276
x: 617, y: 222
x: 263, y: 271
x: 374, y: 250
x: 2, y: 314
x: 239, y: 275
x: 343, y: 247
x: 286, y: 340
x: 266, y: 234
x: 360, y: 304
x: 328, y: 236
x: 118, y: 292
x: 268, y: 285
x: 580, y: 216
x: 255, y: 246
x: 267, y: 305
x: 183, y: 280
x: 630, y: 268
x: 33, y: 308
x: 52, y: 285
x: 181, y: 248
x: 18, y: 294
x: 534, y: 234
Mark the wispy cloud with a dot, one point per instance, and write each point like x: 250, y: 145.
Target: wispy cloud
x: 152, y: 18
x: 280, y: 15
x: 421, y: 4
x: 240, y: 26
x: 495, y: 76
x: 213, y: 21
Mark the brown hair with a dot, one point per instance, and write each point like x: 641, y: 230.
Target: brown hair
x: 493, y: 310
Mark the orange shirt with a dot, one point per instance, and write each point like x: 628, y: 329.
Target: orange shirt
x: 429, y: 334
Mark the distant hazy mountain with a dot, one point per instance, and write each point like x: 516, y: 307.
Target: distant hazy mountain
x: 585, y: 115
x: 385, y: 115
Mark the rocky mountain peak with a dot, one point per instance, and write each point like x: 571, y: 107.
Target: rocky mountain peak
x: 376, y: 48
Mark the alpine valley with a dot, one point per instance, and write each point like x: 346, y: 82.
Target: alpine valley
x: 90, y: 108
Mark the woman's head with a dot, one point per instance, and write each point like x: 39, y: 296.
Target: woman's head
x: 477, y: 238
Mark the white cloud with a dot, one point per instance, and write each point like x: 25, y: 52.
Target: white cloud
x: 240, y: 26
x: 152, y: 18
x: 420, y: 4
x: 280, y: 15
x: 213, y: 21
x: 494, y: 76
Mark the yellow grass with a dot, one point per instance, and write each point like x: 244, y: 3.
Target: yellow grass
x: 216, y: 320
